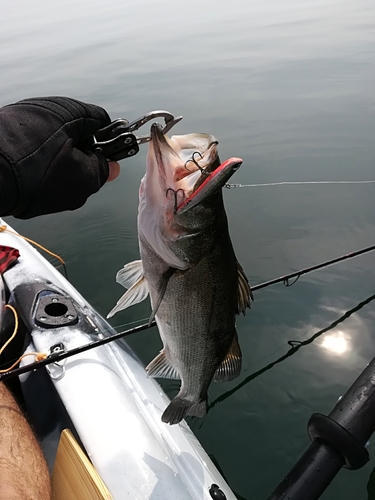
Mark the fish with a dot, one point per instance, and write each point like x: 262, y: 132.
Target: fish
x: 188, y: 267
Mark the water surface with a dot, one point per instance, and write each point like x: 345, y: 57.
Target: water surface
x: 287, y: 86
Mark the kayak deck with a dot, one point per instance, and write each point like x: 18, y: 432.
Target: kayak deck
x: 115, y: 409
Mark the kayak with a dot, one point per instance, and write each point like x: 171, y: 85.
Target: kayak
x: 103, y: 395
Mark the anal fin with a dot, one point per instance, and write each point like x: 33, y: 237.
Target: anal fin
x: 160, y: 367
x: 230, y: 368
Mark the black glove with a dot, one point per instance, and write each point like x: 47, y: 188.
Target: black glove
x: 45, y: 165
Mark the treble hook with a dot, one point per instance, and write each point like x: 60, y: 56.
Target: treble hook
x: 175, y: 196
x: 202, y: 170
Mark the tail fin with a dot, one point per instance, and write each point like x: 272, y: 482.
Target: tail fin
x: 180, y: 407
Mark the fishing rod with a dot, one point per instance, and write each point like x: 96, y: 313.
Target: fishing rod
x: 295, y: 346
x: 285, y: 279
x: 56, y: 357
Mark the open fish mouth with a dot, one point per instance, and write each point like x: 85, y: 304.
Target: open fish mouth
x: 211, y: 184
x: 189, y: 166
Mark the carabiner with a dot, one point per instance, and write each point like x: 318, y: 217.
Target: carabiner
x: 117, y: 141
x: 169, y: 121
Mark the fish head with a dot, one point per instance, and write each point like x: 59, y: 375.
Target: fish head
x: 180, y: 195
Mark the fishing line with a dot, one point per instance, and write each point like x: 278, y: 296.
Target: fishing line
x: 295, y: 183
x: 123, y: 325
x: 299, y: 342
x: 292, y: 350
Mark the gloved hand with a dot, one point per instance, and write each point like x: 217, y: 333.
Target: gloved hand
x: 45, y: 165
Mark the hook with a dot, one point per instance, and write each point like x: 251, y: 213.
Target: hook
x: 193, y: 160
x: 175, y: 196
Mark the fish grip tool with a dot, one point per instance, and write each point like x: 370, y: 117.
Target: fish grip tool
x: 117, y: 140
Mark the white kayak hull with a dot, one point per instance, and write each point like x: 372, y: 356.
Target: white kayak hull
x: 114, y: 407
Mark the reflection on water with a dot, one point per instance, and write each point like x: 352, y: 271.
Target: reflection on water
x: 337, y: 343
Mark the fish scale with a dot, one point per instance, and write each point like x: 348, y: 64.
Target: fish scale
x: 189, y: 269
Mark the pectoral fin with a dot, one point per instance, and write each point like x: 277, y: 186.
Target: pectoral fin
x: 230, y: 368
x: 131, y: 276
x: 160, y: 367
x: 245, y: 295
x: 162, y: 287
x: 130, y: 273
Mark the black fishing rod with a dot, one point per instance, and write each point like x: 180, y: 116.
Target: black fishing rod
x: 295, y: 346
x: 54, y: 358
x: 285, y: 279
x: 339, y: 439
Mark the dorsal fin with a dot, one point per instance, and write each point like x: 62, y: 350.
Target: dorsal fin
x: 230, y: 368
x: 245, y: 295
x: 160, y: 367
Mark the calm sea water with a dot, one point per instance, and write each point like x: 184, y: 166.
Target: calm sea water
x: 289, y: 87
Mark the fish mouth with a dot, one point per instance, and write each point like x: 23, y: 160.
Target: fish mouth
x: 213, y: 182
x: 189, y: 164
